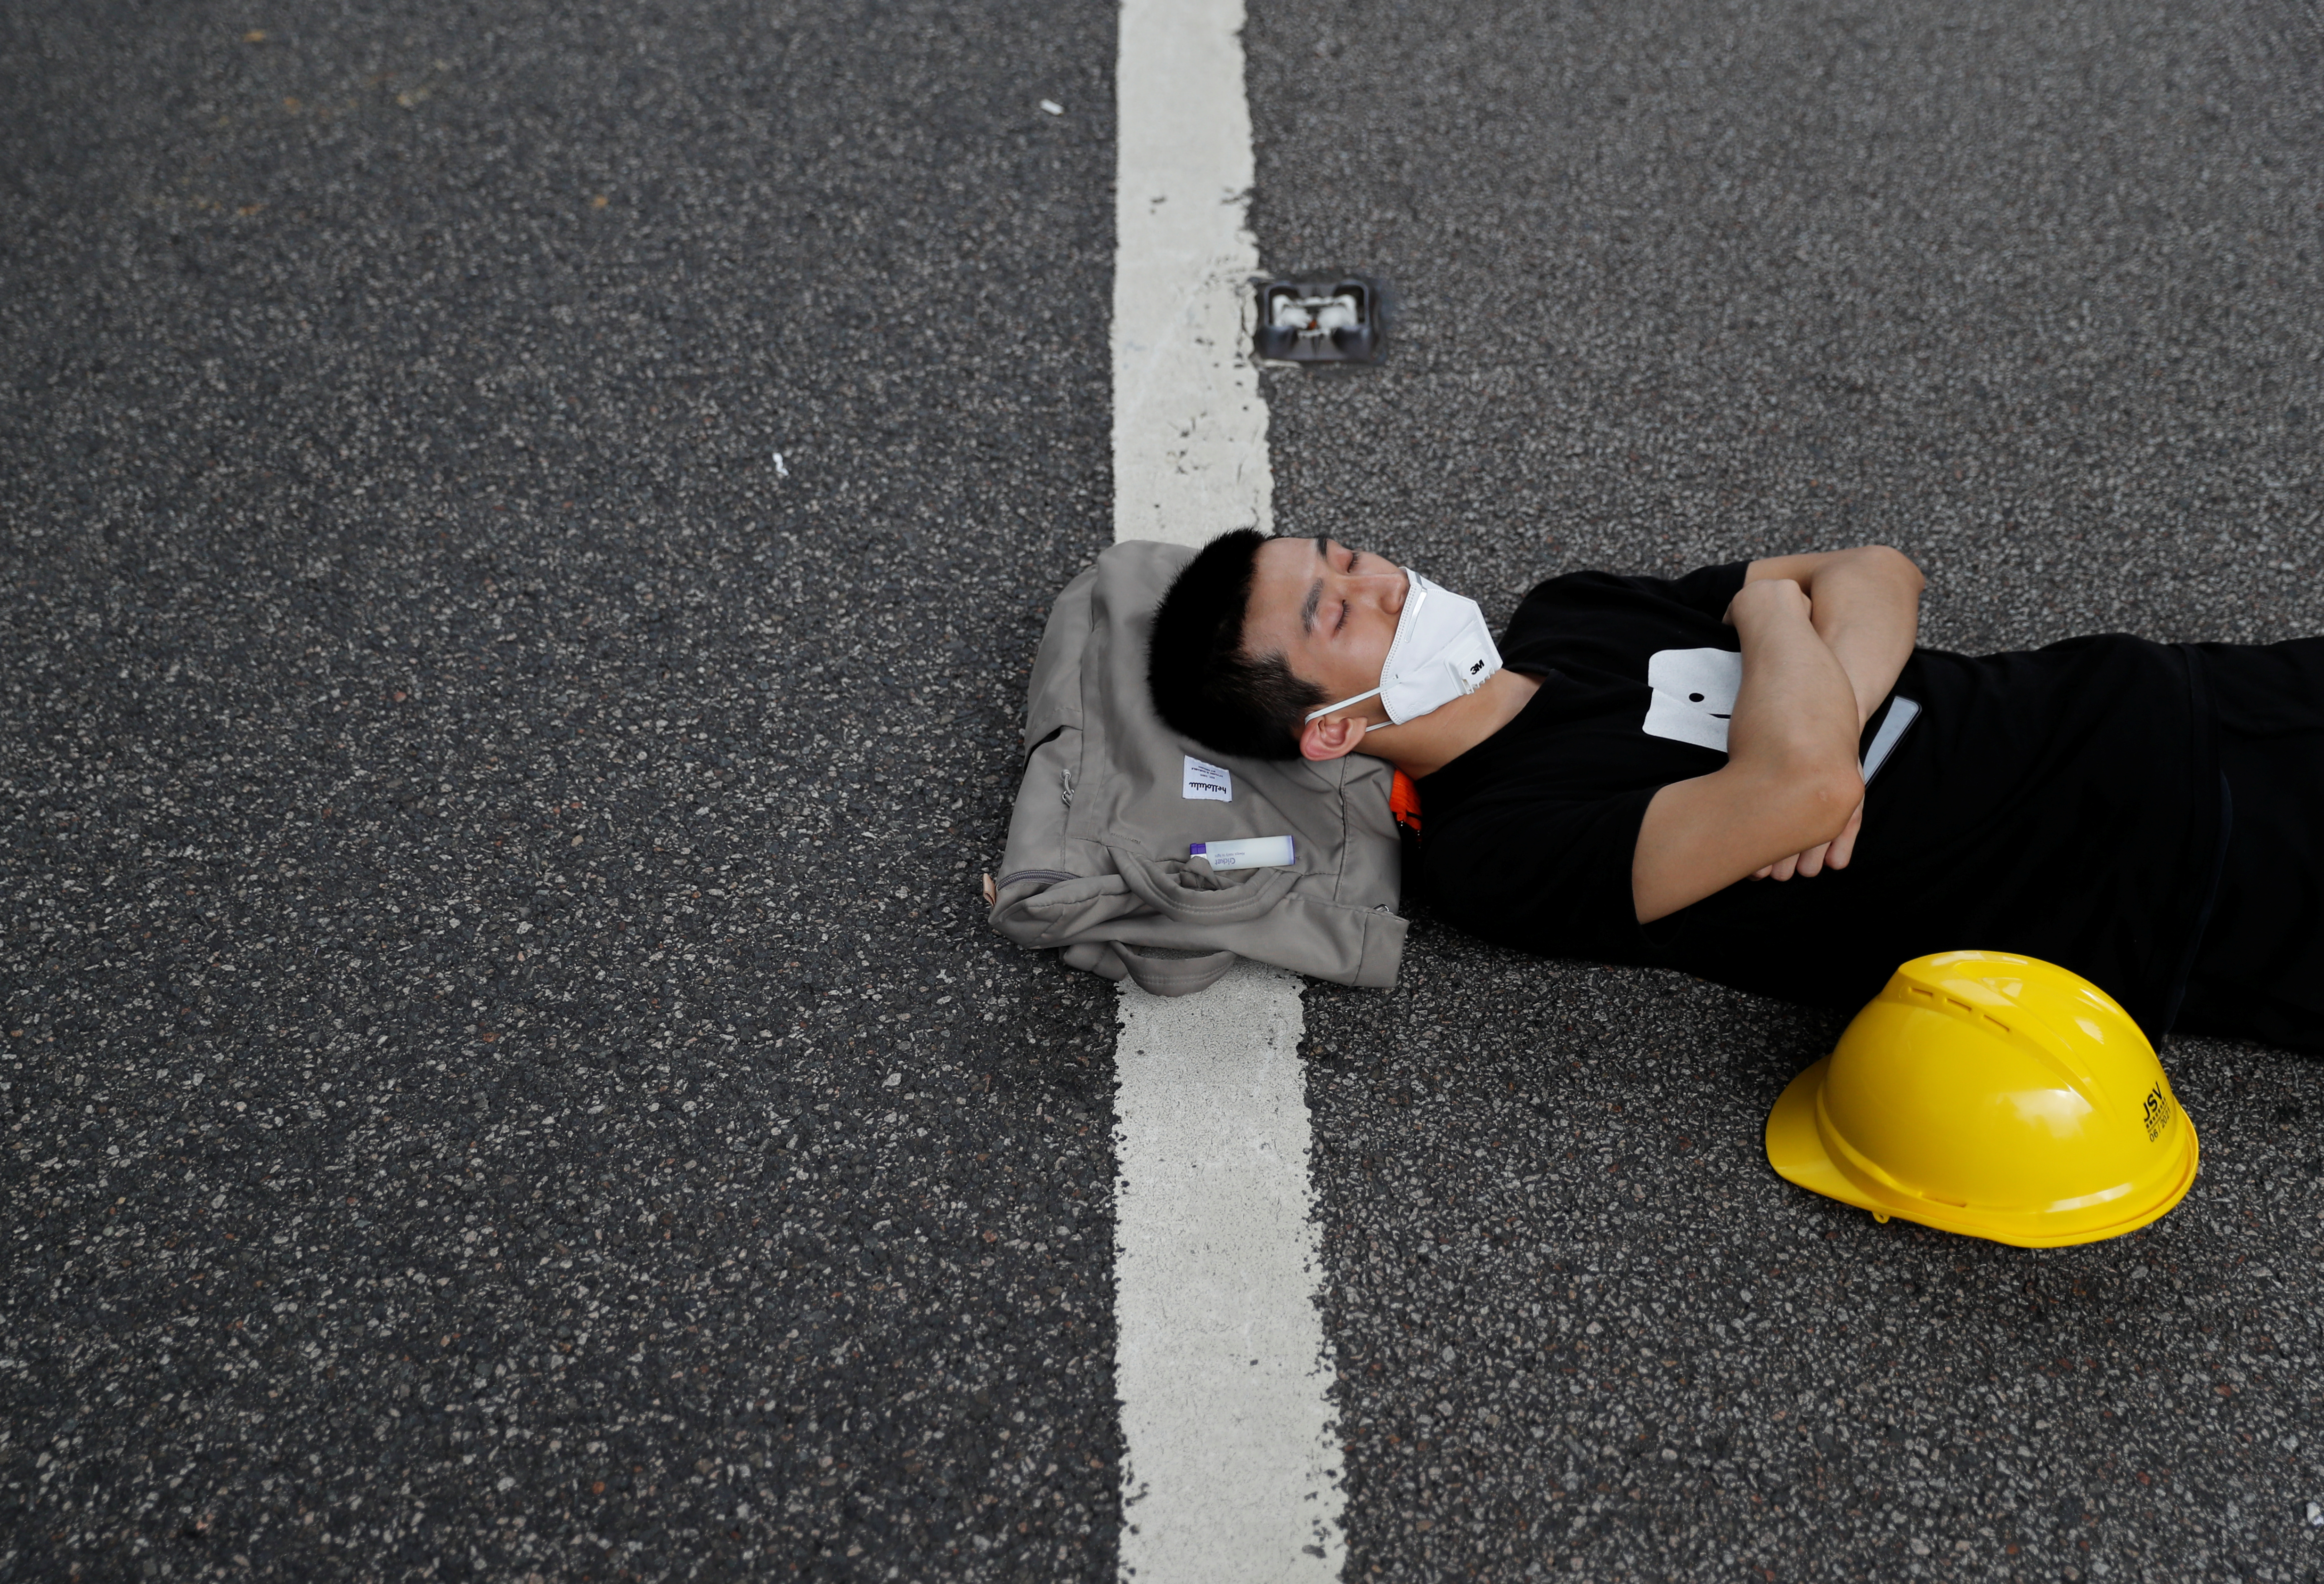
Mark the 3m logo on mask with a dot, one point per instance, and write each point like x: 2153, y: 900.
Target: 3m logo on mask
x: 1207, y: 781
x: 1694, y: 694
x: 2158, y: 1112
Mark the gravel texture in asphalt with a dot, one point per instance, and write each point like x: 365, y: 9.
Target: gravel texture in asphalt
x: 505, y: 1075
x: 2029, y: 293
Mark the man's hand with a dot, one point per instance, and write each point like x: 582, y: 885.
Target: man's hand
x: 1833, y: 854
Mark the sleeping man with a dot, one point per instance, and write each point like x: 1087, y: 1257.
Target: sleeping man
x: 1752, y: 773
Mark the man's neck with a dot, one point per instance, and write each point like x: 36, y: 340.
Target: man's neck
x: 1425, y: 745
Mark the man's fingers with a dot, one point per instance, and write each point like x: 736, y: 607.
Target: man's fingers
x: 1843, y: 846
x: 1833, y: 854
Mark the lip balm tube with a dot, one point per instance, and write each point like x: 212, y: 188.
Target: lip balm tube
x: 1250, y: 852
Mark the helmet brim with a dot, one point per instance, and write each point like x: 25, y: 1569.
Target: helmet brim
x: 1796, y: 1149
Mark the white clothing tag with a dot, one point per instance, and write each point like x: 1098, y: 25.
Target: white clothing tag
x: 1694, y: 694
x: 1207, y: 781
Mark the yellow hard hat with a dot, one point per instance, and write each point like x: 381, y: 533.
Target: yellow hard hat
x: 1993, y: 1095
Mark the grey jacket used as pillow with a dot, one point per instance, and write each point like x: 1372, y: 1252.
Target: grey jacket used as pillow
x: 1097, y: 865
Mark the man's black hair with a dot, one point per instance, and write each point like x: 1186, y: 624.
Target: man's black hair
x: 1203, y: 683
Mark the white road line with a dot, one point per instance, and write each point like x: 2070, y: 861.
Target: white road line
x: 1189, y: 424
x: 1221, y: 1363
x: 1233, y: 1467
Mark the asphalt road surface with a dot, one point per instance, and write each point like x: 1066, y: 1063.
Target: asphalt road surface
x: 506, y: 1072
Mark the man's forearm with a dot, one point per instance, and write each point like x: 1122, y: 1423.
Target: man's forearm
x: 1792, y: 714
x: 1868, y: 610
x: 1865, y: 607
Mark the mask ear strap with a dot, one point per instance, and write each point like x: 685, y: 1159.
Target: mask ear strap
x: 1344, y: 703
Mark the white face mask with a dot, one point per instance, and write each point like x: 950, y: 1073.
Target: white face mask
x: 1442, y: 651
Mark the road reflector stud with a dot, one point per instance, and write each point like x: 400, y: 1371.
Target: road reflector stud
x: 1331, y: 319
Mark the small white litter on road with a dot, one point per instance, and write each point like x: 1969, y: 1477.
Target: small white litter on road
x: 1053, y: 107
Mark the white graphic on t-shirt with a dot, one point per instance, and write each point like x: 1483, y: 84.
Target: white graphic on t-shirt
x: 1694, y: 694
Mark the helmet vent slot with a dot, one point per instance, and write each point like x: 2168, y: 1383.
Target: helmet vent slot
x: 1955, y: 1004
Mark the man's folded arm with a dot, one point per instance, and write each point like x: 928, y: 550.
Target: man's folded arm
x: 1866, y: 606
x: 1790, y: 782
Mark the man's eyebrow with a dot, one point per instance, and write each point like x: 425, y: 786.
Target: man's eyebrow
x: 1316, y: 589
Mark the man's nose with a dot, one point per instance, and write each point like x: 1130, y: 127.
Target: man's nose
x: 1384, y: 589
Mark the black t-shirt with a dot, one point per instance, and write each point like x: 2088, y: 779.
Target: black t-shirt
x: 2062, y: 803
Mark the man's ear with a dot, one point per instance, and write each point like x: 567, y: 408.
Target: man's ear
x: 1332, y: 736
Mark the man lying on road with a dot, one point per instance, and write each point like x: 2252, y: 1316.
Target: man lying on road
x: 1630, y: 772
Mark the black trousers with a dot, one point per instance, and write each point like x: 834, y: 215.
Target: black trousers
x: 2259, y: 968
